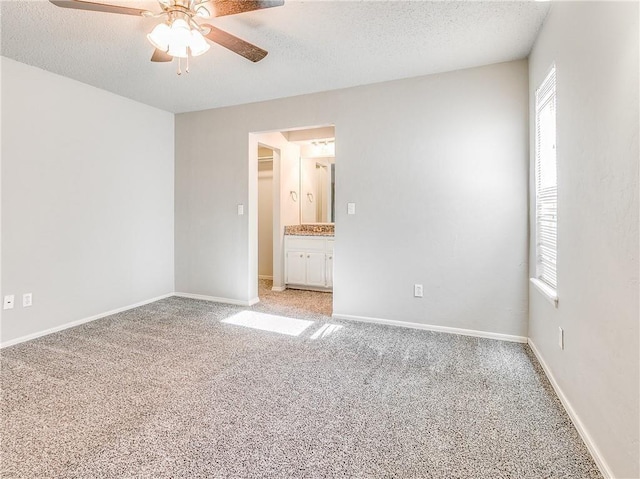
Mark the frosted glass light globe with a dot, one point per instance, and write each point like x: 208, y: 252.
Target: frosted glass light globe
x: 160, y: 36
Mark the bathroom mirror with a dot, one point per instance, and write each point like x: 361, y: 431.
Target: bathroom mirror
x: 317, y: 190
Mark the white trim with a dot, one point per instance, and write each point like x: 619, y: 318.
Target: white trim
x: 547, y: 291
x: 586, y: 437
x: 78, y: 322
x: 264, y: 276
x: 215, y: 299
x: 432, y: 327
x: 306, y: 287
x: 279, y: 289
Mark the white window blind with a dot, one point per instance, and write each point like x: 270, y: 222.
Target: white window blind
x: 546, y: 179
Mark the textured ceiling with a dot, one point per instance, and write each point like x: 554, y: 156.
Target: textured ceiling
x: 313, y: 46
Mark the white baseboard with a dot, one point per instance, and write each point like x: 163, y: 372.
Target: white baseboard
x: 431, y: 327
x: 215, y: 299
x: 264, y: 276
x: 278, y: 288
x: 304, y: 287
x: 78, y: 322
x: 586, y: 437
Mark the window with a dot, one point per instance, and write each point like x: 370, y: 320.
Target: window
x: 546, y: 179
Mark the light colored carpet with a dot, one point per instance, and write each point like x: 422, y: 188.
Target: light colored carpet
x: 176, y: 389
x: 294, y: 303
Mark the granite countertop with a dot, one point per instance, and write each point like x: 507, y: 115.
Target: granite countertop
x: 310, y: 230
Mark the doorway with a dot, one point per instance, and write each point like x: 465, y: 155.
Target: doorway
x: 291, y: 189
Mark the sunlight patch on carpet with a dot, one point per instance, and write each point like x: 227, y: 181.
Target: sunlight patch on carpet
x: 269, y: 322
x: 326, y: 330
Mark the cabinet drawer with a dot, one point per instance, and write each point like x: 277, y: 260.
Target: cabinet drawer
x: 304, y: 244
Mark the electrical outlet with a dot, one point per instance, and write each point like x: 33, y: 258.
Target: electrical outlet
x: 8, y: 301
x: 417, y: 290
x: 240, y: 210
x: 561, y: 338
x: 351, y: 208
x: 27, y: 300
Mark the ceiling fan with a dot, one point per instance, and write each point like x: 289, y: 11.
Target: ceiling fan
x: 180, y: 35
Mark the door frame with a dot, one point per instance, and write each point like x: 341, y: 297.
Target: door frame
x: 274, y: 140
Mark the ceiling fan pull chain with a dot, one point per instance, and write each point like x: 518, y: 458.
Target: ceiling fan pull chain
x: 187, y: 69
x: 179, y: 71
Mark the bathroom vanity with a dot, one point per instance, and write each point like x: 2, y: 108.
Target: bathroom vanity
x: 308, y: 257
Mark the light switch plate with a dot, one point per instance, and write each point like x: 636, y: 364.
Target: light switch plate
x: 8, y: 301
x: 240, y: 210
x: 417, y: 290
x: 351, y: 208
x: 27, y: 300
x: 561, y: 338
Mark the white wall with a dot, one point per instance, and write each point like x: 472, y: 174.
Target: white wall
x: 438, y: 167
x: 595, y: 49
x: 87, y: 200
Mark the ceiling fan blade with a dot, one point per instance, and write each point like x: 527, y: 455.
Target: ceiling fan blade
x: 98, y: 7
x: 235, y: 44
x: 222, y: 8
x: 160, y: 56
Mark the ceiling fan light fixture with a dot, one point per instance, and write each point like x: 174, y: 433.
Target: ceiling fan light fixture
x: 179, y: 51
x: 180, y: 33
x: 179, y: 38
x: 198, y: 45
x: 160, y: 36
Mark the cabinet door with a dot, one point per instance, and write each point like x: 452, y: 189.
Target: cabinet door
x: 296, y: 268
x: 315, y: 269
x: 329, y: 270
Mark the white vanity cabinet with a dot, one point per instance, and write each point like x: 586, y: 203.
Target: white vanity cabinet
x: 308, y: 262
